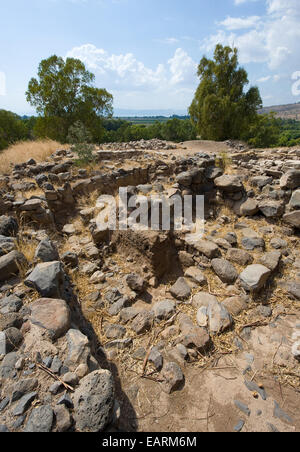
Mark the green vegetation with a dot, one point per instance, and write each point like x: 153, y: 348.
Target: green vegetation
x: 72, y: 110
x: 63, y: 94
x: 13, y: 128
x: 80, y: 139
x: 221, y: 109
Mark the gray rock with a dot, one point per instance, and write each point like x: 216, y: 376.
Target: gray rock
x: 271, y: 209
x: 40, y: 420
x: 280, y: 414
x: 253, y: 387
x: 47, y: 251
x: 240, y: 257
x: 164, y: 310
x: 128, y: 314
x: 278, y: 243
x: 290, y: 180
x: 7, y: 367
x: 252, y: 243
x: 8, y: 226
x: 254, y: 277
x: 156, y: 358
x: 292, y: 218
x: 56, y: 365
x: 24, y: 403
x: 271, y: 260
x: 228, y: 183
x: 7, y: 245
x: 242, y: 407
x: 239, y: 426
x: 135, y: 282
x: 46, y: 278
x: 208, y: 248
x: 66, y: 400
x: 23, y: 387
x: 70, y: 259
x: 114, y: 331
x: 13, y: 338
x: 173, y: 376
x: 78, y: 349
x: 3, y: 404
x: 143, y: 322
x: 10, y: 304
x: 63, y: 418
x: 10, y: 264
x: 181, y: 290
x: 249, y: 207
x: 225, y: 270
x: 196, y: 275
x: 295, y: 200
x: 4, y: 429
x: 94, y: 402
x: 119, y: 305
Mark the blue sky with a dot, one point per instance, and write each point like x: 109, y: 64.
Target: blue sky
x: 146, y: 51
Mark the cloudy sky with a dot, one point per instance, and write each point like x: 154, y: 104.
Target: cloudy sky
x: 146, y: 52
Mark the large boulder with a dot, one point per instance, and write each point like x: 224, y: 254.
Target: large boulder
x: 229, y: 184
x: 290, y: 180
x: 254, y: 277
x: 47, y: 279
x: 271, y: 209
x: 10, y: 264
x: 52, y: 315
x: 94, y: 402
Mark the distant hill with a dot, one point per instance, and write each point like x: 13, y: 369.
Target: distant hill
x: 289, y: 111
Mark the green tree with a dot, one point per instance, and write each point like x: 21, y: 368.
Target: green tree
x: 221, y: 109
x: 12, y: 129
x: 80, y: 139
x: 64, y: 93
x: 264, y: 132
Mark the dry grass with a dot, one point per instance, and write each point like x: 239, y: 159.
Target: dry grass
x: 25, y: 150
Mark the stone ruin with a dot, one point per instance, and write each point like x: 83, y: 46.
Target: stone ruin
x: 85, y: 295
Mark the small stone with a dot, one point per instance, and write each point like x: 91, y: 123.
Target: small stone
x: 239, y: 426
x: 24, y: 404
x: 225, y: 271
x: 135, y: 282
x: 254, y: 277
x: 181, y: 290
x: 63, y: 418
x: 142, y: 322
x: 66, y: 400
x: 156, y: 358
x: 242, y: 407
x: 164, y: 310
x: 40, y: 420
x: 173, y: 376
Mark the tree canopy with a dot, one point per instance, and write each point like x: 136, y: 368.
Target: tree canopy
x: 64, y: 93
x: 221, y: 108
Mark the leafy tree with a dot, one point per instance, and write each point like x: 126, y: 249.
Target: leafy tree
x: 221, y: 109
x: 264, y: 132
x: 80, y: 138
x: 64, y: 93
x: 12, y: 129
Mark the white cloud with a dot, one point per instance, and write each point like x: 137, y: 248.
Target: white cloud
x: 264, y: 79
x: 238, y: 23
x: 128, y: 79
x: 273, y: 38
